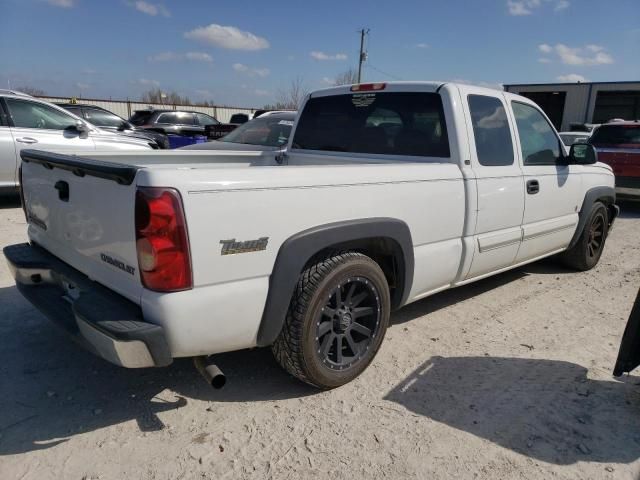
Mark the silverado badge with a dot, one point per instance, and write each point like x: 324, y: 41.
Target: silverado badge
x: 230, y: 247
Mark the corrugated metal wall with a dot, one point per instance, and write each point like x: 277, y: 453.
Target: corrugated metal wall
x: 125, y: 108
x: 580, y: 100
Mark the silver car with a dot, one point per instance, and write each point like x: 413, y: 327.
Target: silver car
x: 26, y: 122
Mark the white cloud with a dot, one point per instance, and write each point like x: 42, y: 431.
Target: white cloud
x: 252, y: 72
x: 545, y: 48
x: 328, y: 81
x: 325, y: 56
x: 61, y: 3
x: 572, y: 78
x: 261, y: 93
x: 89, y: 71
x: 82, y: 86
x: 227, y: 37
x: 173, y: 56
x: 526, y: 7
x: 544, y: 60
x: 422, y: 45
x: 149, y: 8
x: 145, y: 82
x: 588, y: 56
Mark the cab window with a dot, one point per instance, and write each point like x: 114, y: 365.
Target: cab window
x: 538, y: 141
x: 383, y: 123
x: 491, y: 131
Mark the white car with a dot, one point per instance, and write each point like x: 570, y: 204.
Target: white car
x: 26, y: 122
x: 387, y: 193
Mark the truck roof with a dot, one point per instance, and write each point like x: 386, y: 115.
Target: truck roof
x: 395, y: 86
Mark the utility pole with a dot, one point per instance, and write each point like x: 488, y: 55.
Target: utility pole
x: 363, y: 54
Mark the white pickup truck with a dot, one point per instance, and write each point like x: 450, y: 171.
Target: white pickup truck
x: 386, y: 194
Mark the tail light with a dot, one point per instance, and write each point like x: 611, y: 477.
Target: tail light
x: 161, y: 240
x: 368, y: 87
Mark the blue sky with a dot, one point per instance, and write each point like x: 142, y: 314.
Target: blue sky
x: 242, y: 52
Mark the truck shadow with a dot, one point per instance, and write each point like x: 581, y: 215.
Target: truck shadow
x: 544, y: 409
x: 9, y: 201
x: 629, y: 209
x: 52, y: 389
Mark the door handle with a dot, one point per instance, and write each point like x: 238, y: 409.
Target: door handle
x: 533, y: 187
x: 27, y: 140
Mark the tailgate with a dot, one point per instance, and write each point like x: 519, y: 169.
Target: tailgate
x: 82, y: 211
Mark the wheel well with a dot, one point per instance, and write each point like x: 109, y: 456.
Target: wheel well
x: 385, y: 251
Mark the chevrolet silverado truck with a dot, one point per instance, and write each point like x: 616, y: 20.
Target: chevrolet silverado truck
x: 386, y: 193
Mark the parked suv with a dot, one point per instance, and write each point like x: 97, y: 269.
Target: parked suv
x: 618, y: 144
x: 26, y: 122
x: 106, y: 120
x: 178, y: 122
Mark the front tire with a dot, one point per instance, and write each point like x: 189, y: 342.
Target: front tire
x: 336, y: 321
x: 585, y: 254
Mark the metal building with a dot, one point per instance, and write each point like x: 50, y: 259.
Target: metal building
x: 589, y: 102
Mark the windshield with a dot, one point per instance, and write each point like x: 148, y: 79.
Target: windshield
x: 616, y: 135
x: 269, y: 131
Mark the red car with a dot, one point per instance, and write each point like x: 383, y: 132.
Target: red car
x: 618, y: 144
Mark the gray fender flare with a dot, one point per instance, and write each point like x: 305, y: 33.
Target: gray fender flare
x: 606, y: 195
x: 298, y: 249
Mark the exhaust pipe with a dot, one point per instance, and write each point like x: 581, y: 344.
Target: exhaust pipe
x: 210, y: 371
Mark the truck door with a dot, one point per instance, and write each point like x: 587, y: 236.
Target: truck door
x: 498, y: 179
x: 552, y: 187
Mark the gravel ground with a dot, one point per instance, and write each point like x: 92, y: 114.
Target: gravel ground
x: 509, y: 377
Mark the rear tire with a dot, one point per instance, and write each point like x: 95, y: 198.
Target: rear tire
x: 585, y: 254
x: 336, y: 321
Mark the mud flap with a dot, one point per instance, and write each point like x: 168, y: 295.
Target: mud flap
x: 629, y: 354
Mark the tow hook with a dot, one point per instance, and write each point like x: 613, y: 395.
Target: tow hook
x: 210, y: 371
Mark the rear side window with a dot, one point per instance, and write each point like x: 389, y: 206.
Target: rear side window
x: 538, y: 141
x: 491, y: 131
x: 140, y: 117
x: 377, y: 123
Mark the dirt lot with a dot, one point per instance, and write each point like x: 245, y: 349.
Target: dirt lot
x: 506, y: 378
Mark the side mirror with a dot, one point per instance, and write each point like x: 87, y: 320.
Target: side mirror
x: 123, y: 126
x: 583, y: 154
x: 81, y: 127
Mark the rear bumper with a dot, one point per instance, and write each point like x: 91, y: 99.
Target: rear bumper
x: 104, y: 322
